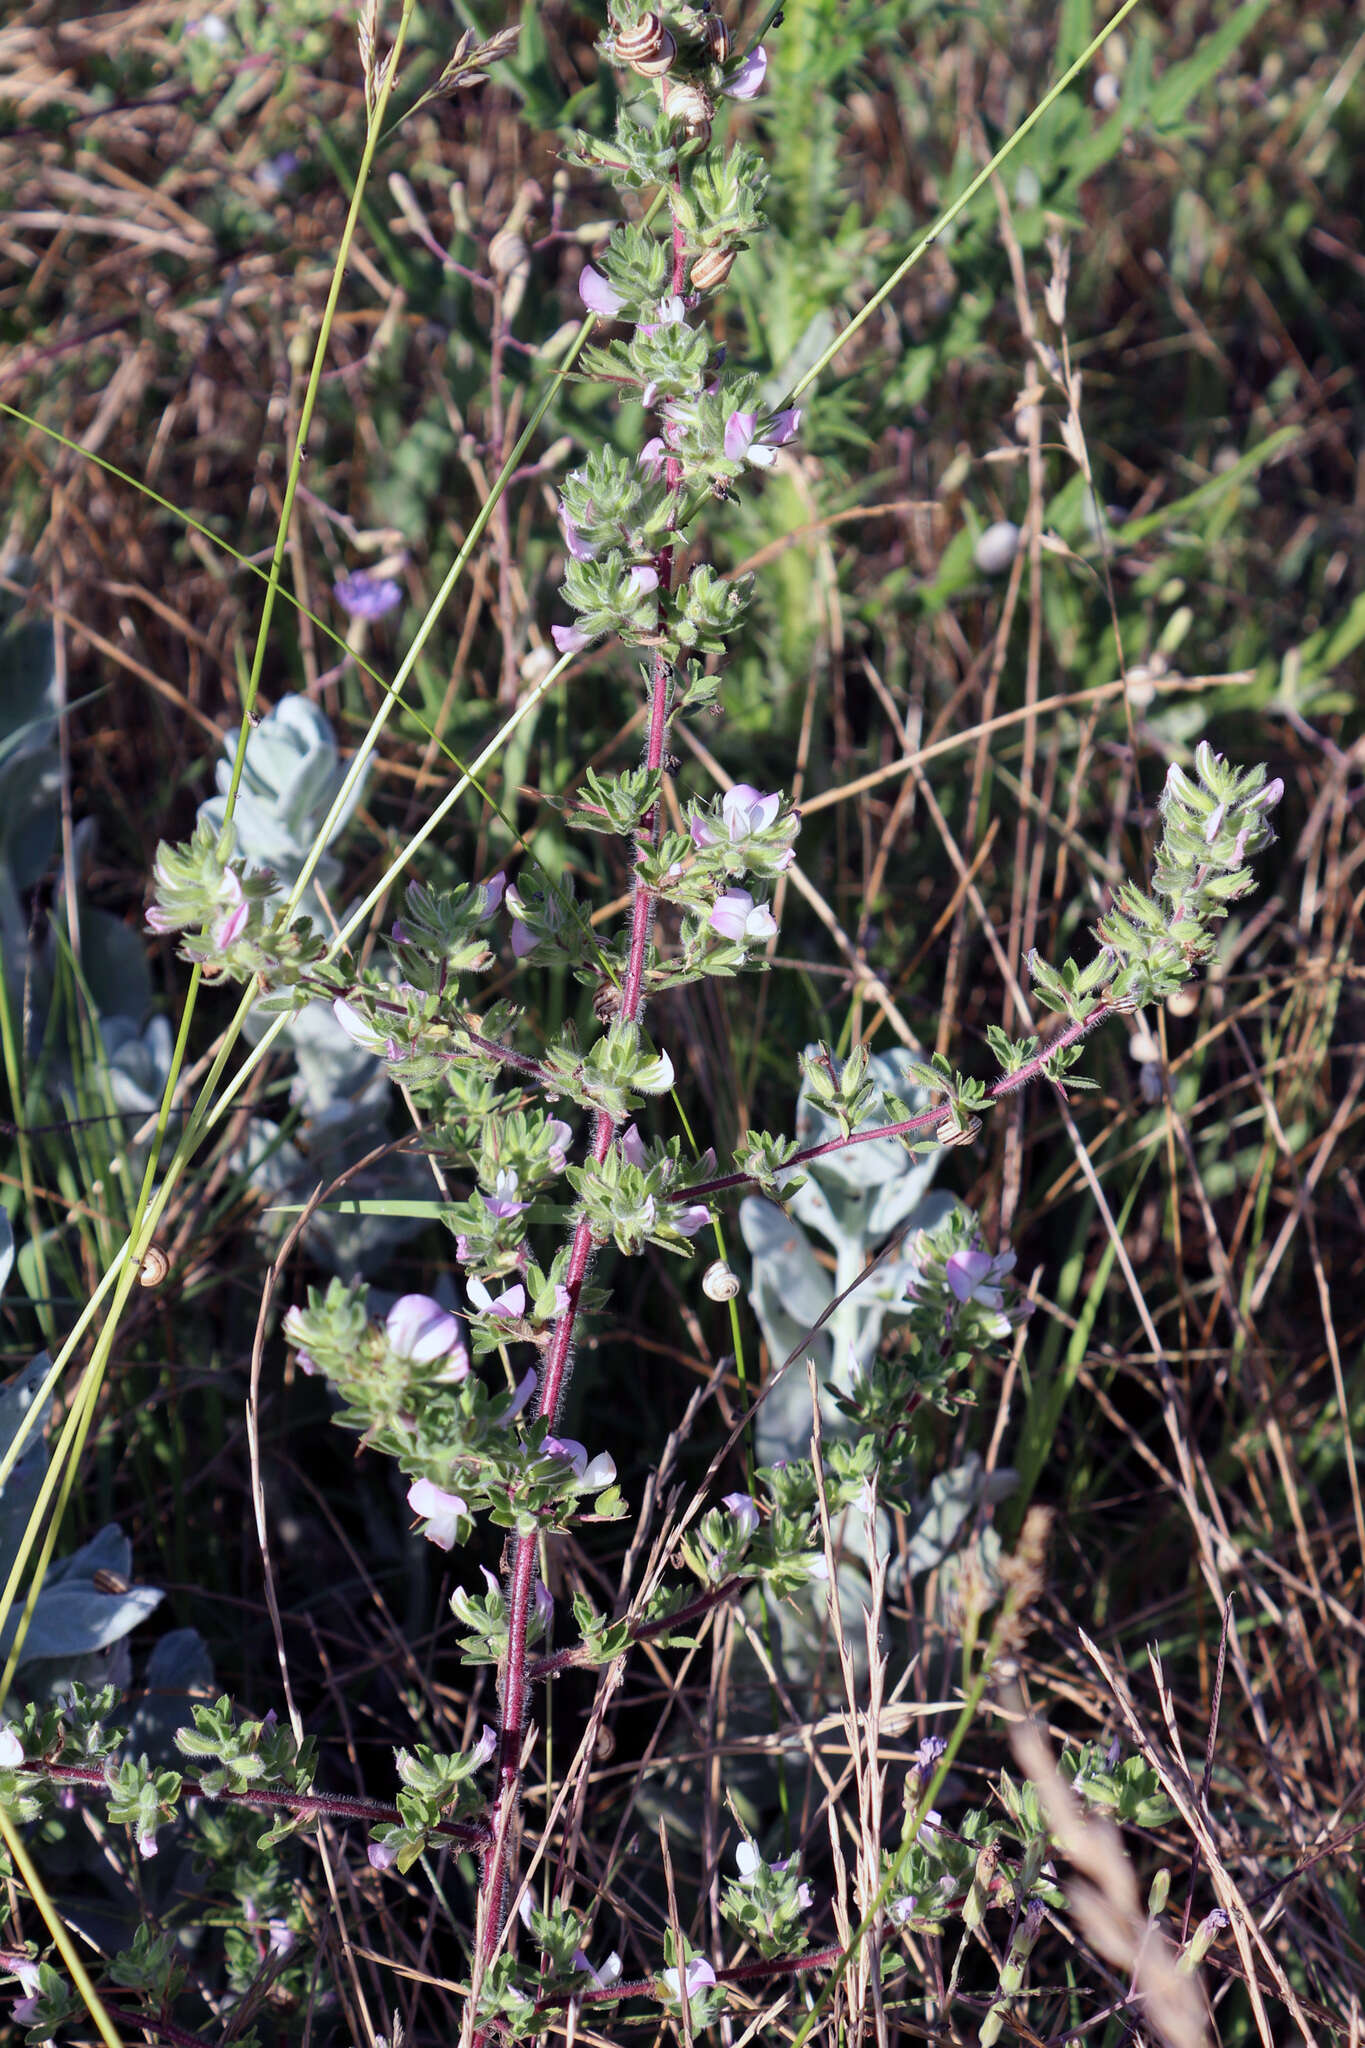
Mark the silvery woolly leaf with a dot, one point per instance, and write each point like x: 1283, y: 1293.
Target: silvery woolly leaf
x: 790, y: 1290
x: 179, y: 1671
x: 952, y: 1500
x: 867, y: 1167
x: 331, y: 1067
x: 73, y: 1616
x: 291, y: 775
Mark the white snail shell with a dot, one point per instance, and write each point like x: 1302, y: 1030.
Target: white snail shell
x: 720, y: 1282
x: 712, y: 269
x: 950, y: 1133
x: 154, y: 1268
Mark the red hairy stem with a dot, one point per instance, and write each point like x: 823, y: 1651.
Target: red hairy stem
x: 517, y: 1669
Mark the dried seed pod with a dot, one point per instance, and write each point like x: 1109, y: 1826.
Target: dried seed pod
x: 712, y: 269
x: 692, y: 106
x: 155, y: 1266
x: 950, y: 1132
x: 720, y: 1282
x: 716, y: 36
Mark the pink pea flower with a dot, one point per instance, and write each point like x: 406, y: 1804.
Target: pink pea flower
x: 503, y: 1200
x: 746, y: 80
x: 597, y: 1474
x: 744, y: 811
x: 441, y: 1511
x: 560, y: 1135
x: 418, y: 1328
x: 382, y: 1855
x: 597, y: 295
x: 633, y: 1147
x: 570, y: 639
x: 743, y: 1510
x: 511, y: 1303
x: 974, y: 1276
x: 687, y: 1222
x: 737, y: 917
x: 741, y: 437
x: 580, y: 549
x: 363, y: 596
x: 651, y: 459
x: 698, y: 1976
x: 237, y: 910
x: 11, y: 1749
x: 490, y: 895
x: 643, y: 579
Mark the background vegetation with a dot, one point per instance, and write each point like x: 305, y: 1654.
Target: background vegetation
x: 1162, y: 292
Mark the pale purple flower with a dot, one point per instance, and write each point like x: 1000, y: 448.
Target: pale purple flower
x: 490, y: 1580
x: 737, y: 917
x: 929, y: 1755
x: 11, y: 1748
x: 358, y: 1027
x: 698, y: 1976
x: 282, y: 1936
x: 25, y: 1969
x: 670, y: 312
x: 485, y: 1748
x: 24, y: 2011
x: 597, y: 295
x: 744, y: 812
x: 510, y: 1303
x: 633, y: 1148
x: 901, y: 1910
x: 973, y: 1276
x: 146, y: 1844
x: 418, y: 1328
x: 441, y: 1511
x: 490, y: 895
x: 642, y: 579
x: 591, y: 1475
x: 161, y: 921
x: 604, y: 1978
x: 526, y: 1385
x: 747, y: 1859
x: 570, y: 639
x: 362, y: 596
x: 651, y: 459
x: 817, y: 1567
x: 525, y: 1910
x: 580, y: 549
x: 503, y: 1200
x: 687, y: 1222
x: 741, y: 437
x: 232, y: 923
x: 929, y: 1826
x: 746, y: 80
x: 743, y: 1510
x: 560, y: 1135
x: 272, y: 174
x: 382, y: 1855
x: 545, y: 1605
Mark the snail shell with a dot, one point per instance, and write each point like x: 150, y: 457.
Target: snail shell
x: 1124, y: 1006
x: 648, y: 47
x: 716, y: 37
x: 950, y: 1133
x: 154, y: 1268
x: 712, y: 269
x: 689, y: 104
x: 720, y: 1282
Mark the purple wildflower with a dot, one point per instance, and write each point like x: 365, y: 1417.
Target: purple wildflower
x: 597, y: 295
x: 526, y: 1386
x: 511, y: 1303
x: 382, y: 1855
x: 746, y: 80
x: 362, y: 596
x: 503, y: 1200
x: 735, y: 916
x: 441, y: 1511
x: 418, y: 1328
x: 570, y: 639
x: 11, y: 1748
x: 743, y: 1510
x: 580, y: 549
x: 560, y: 1135
x: 974, y: 1276
x: 687, y: 1222
x: 741, y: 437
x: 545, y: 1606
x: 232, y: 923
x: 698, y: 1976
x: 744, y: 812
x: 651, y: 459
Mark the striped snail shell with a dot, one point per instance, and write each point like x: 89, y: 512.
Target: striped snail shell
x: 691, y: 106
x: 154, y: 1268
x: 950, y: 1132
x: 712, y: 269
x: 720, y: 1282
x: 1124, y: 1006
x: 716, y: 36
x: 648, y: 47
